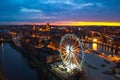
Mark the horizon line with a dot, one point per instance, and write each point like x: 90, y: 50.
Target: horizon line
x: 67, y: 23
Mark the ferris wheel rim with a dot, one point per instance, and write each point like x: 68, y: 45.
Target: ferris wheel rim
x: 80, y: 45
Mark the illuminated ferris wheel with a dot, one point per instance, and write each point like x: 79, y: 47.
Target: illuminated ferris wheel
x: 71, y: 52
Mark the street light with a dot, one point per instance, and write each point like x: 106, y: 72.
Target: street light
x: 95, y: 40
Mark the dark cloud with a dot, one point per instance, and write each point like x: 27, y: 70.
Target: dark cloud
x: 58, y: 10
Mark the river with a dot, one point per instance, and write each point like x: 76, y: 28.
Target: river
x: 14, y: 66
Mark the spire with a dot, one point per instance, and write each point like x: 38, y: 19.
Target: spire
x: 47, y: 27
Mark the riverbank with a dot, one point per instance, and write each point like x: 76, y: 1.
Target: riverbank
x: 41, y: 59
x: 14, y: 66
x: 1, y: 75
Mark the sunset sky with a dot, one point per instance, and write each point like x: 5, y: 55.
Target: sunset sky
x: 58, y: 11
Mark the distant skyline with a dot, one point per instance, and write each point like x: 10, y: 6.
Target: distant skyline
x: 58, y: 11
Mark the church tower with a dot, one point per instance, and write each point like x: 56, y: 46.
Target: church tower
x: 34, y: 28
x: 47, y: 27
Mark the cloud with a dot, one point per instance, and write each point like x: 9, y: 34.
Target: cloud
x: 82, y: 5
x: 71, y: 4
x: 42, y: 17
x: 88, y: 4
x: 58, y: 1
x: 27, y: 10
x: 24, y: 9
x: 99, y: 4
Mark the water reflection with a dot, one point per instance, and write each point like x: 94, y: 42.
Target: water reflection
x: 94, y: 46
x: 14, y: 66
x: 1, y: 51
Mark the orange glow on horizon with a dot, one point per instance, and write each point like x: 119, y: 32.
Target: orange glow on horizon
x: 96, y: 23
x: 72, y: 23
x: 68, y: 23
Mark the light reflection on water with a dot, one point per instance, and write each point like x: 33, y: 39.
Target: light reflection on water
x: 94, y: 46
